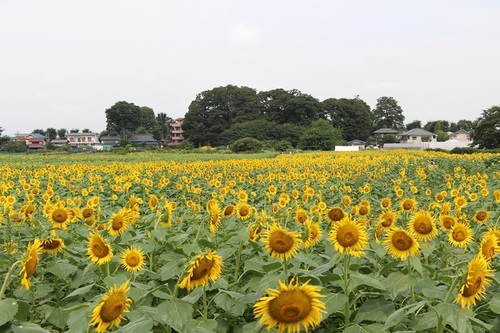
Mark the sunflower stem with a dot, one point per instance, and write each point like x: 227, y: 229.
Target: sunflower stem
x: 450, y: 290
x: 410, y: 274
x: 6, y: 281
x: 237, y: 264
x: 205, y: 305
x: 108, y: 273
x: 285, y: 267
x: 347, y: 308
x: 176, y: 288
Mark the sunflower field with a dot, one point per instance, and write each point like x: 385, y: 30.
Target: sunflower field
x: 370, y: 241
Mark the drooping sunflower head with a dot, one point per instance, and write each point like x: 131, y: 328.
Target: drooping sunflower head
x: 489, y: 246
x: 243, y: 210
x: 481, y: 216
x: 301, y: 215
x: 228, y: 210
x: 350, y: 236
x: 460, y: 235
x: 52, y: 245
x: 290, y: 307
x: 153, y: 202
x: 314, y: 233
x: 473, y: 289
x: 132, y: 259
x: 203, y: 269
x: 108, y: 313
x: 214, y: 217
x: 447, y: 222
x: 401, y: 244
x: 335, y: 214
x: 385, y: 203
x: 408, y: 205
x: 281, y: 243
x: 423, y: 226
x: 99, y: 251
x: 387, y: 218
x: 121, y: 220
x: 29, y: 263
x: 497, y: 195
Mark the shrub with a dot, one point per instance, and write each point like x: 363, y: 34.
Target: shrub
x: 246, y: 145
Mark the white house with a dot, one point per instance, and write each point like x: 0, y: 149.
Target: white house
x: 417, y: 135
x: 82, y: 139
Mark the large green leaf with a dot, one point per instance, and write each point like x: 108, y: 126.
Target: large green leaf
x: 398, y: 282
x: 177, y: 314
x: 335, y: 302
x: 80, y: 291
x: 78, y: 319
x: 453, y: 316
x: 202, y: 325
x: 140, y: 325
x: 360, y: 279
x: 396, y: 317
x: 8, y: 309
x: 495, y: 303
x: 28, y: 328
x: 372, y: 328
x: 374, y: 310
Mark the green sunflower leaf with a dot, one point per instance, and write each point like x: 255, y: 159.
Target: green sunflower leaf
x: 8, y: 309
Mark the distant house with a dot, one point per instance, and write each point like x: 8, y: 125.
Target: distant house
x: 113, y: 140
x: 356, y: 142
x: 143, y: 139
x: 417, y: 135
x: 36, y: 141
x: 59, y: 142
x: 460, y: 135
x: 176, y: 135
x: 82, y: 139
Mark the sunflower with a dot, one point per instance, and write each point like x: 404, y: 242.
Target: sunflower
x: 132, y: 259
x: 243, y: 210
x: 346, y: 200
x: 281, y: 243
x: 423, y: 226
x: 29, y: 263
x: 52, y: 245
x: 98, y: 250
x: 214, y: 220
x: 59, y: 215
x: 481, y: 216
x: 242, y: 195
x: 109, y: 311
x: 489, y: 246
x: 202, y: 269
x: 314, y: 233
x: 153, y: 202
x: 447, y: 222
x: 301, y: 215
x: 479, y: 276
x: 460, y: 202
x: 408, y: 205
x: 494, y: 231
x: 387, y: 218
x: 255, y: 231
x: 120, y: 221
x: 460, y: 235
x: 363, y: 210
x: 335, y: 214
x: 87, y: 214
x: 400, y: 243
x: 497, y: 195
x: 350, y: 236
x: 385, y: 203
x: 290, y: 307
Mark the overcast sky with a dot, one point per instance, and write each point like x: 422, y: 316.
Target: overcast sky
x: 63, y: 63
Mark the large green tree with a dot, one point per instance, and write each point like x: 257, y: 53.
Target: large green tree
x: 61, y: 133
x: 123, y: 117
x: 462, y: 124
x: 214, y: 111
x: 162, y: 127
x: 388, y: 114
x: 290, y: 106
x: 486, y: 132
x: 414, y: 124
x: 148, y: 118
x: 51, y: 133
x: 321, y: 135
x: 353, y: 116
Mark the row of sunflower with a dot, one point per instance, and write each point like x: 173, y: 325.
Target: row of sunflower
x: 369, y: 241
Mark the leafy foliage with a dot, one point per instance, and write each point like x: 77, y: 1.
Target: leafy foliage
x: 247, y: 145
x: 388, y: 114
x: 486, y: 134
x: 321, y: 136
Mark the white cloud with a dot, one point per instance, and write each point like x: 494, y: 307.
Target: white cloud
x: 243, y: 35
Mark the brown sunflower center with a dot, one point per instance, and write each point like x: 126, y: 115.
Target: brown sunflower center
x: 290, y: 307
x: 385, y: 203
x: 481, y: 216
x: 87, y: 212
x: 203, y: 267
x: 335, y: 214
x: 229, y: 210
x: 113, y: 307
x: 301, y: 217
x: 459, y: 235
x: 244, y: 211
x: 117, y: 222
x: 51, y: 244
x: 401, y: 241
x: 387, y: 222
x: 59, y: 215
x: 363, y: 210
x: 133, y: 259
x: 407, y: 205
x: 99, y: 248
x: 30, y: 266
x: 280, y: 242
x: 472, y: 288
x: 448, y: 222
x: 423, y: 226
x: 347, y: 235
x: 488, y: 250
